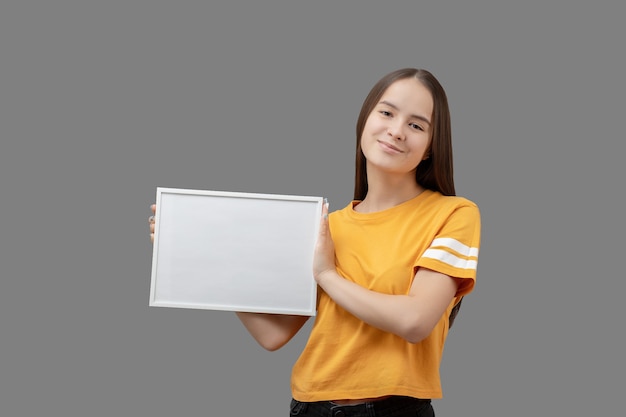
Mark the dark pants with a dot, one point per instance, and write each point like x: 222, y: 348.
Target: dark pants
x: 391, y: 407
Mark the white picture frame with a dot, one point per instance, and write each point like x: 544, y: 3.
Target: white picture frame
x: 234, y: 251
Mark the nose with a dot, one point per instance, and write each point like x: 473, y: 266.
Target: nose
x: 395, y: 130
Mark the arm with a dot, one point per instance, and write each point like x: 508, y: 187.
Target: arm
x: 272, y: 331
x: 411, y: 316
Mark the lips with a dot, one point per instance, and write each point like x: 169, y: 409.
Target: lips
x: 389, y: 146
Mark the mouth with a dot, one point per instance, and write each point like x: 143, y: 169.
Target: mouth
x: 389, y: 146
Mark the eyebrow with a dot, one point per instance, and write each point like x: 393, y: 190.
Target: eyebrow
x: 417, y: 116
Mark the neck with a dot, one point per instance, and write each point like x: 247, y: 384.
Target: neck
x: 388, y: 191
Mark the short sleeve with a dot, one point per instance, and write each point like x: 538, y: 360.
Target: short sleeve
x: 454, y: 250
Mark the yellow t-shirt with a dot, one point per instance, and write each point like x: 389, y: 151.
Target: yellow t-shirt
x: 346, y: 358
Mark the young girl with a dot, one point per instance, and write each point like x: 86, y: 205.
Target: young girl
x: 392, y: 266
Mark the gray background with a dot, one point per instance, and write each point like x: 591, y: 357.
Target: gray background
x: 102, y: 102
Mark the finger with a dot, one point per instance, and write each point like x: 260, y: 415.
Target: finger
x: 153, y: 208
x: 152, y: 237
x: 152, y: 228
x: 151, y: 219
x: 324, y: 219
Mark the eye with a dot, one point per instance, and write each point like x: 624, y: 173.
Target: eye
x: 416, y: 126
x: 385, y: 112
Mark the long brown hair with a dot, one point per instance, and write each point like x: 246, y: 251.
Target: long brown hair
x: 434, y: 173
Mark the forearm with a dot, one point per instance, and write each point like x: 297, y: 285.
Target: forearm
x: 397, y: 314
x: 271, y: 331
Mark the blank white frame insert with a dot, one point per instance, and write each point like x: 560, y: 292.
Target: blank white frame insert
x: 233, y: 251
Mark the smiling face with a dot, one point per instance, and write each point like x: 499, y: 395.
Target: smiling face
x: 398, y: 131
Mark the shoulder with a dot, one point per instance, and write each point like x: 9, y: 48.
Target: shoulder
x: 438, y: 201
x: 344, y: 211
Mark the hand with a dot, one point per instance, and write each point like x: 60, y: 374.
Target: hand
x: 151, y: 222
x: 324, y: 255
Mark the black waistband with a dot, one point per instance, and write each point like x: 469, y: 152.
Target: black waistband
x: 381, y: 407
